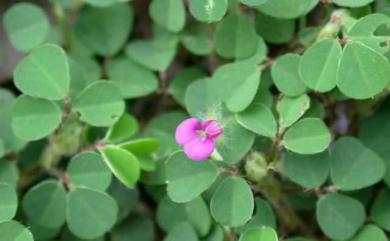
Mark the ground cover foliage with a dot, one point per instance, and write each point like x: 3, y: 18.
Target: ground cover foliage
x: 88, y: 119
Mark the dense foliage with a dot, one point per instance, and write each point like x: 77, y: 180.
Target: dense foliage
x: 299, y: 87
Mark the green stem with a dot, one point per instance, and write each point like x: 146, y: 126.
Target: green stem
x: 62, y: 21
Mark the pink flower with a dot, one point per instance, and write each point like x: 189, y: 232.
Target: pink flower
x: 198, y: 139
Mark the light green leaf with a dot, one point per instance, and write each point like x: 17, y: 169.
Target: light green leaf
x: 363, y: 72
x: 9, y: 173
x: 150, y: 54
x: 232, y: 203
x: 46, y: 66
x: 274, y: 30
x: 319, y: 64
x: 182, y: 231
x: 88, y: 169
x: 259, y: 119
x: 380, y: 211
x: 285, y: 75
x: 195, y: 212
x: 83, y: 71
x: 354, y: 166
x: 14, y: 231
x: 259, y: 234
x: 90, y: 214
x: 339, y: 216
x: 183, y: 173
x: 45, y: 115
x: 182, y: 80
x: 252, y: 3
x: 307, y: 136
x: 236, y: 27
x: 370, y: 232
x: 123, y: 129
x: 8, y: 202
x: 352, y: 3
x: 26, y: 25
x: 141, y: 147
x: 374, y: 133
x: 100, y: 104
x: 45, y: 204
x: 169, y: 14
x: 287, y: 8
x: 208, y: 10
x: 123, y: 164
x: 105, y: 30
x: 240, y: 82
x: 198, y: 39
x: 290, y: 109
x: 309, y: 171
x: 132, y: 79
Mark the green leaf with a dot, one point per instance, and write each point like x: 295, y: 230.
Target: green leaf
x: 236, y: 37
x: 232, y: 203
x: 123, y: 129
x: 307, y: 136
x: 132, y: 79
x: 290, y: 109
x: 352, y: 3
x: 88, y: 169
x: 319, y: 64
x: 141, y: 147
x: 182, y: 231
x: 100, y: 104
x: 150, y: 54
x: 26, y: 25
x: 8, y: 202
x: 139, y: 228
x: 200, y: 97
x: 123, y: 164
x: 252, y: 3
x: 274, y: 30
x: 45, y: 204
x: 45, y: 115
x: 183, y: 173
x: 208, y: 10
x: 370, y: 232
x: 380, y: 211
x: 354, y: 166
x: 9, y: 173
x: 374, y: 133
x: 339, y: 216
x: 287, y: 8
x: 46, y: 66
x: 264, y: 216
x: 285, y: 75
x: 260, y: 55
x: 43, y: 233
x: 308, y: 171
x: 182, y: 80
x: 370, y: 75
x: 14, y: 231
x: 125, y: 198
x: 90, y: 214
x: 100, y: 3
x: 259, y: 119
x: 259, y: 234
x: 169, y: 14
x: 198, y: 39
x: 7, y: 135
x: 105, y: 30
x: 240, y: 82
x: 170, y: 214
x: 83, y: 71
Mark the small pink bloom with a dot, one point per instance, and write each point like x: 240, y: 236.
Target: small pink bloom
x: 198, y: 139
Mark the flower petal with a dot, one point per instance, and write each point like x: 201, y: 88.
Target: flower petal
x: 199, y: 149
x: 186, y: 131
x: 212, y: 129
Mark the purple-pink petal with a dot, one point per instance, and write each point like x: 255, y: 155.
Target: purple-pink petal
x: 198, y: 149
x: 186, y: 131
x: 212, y: 129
